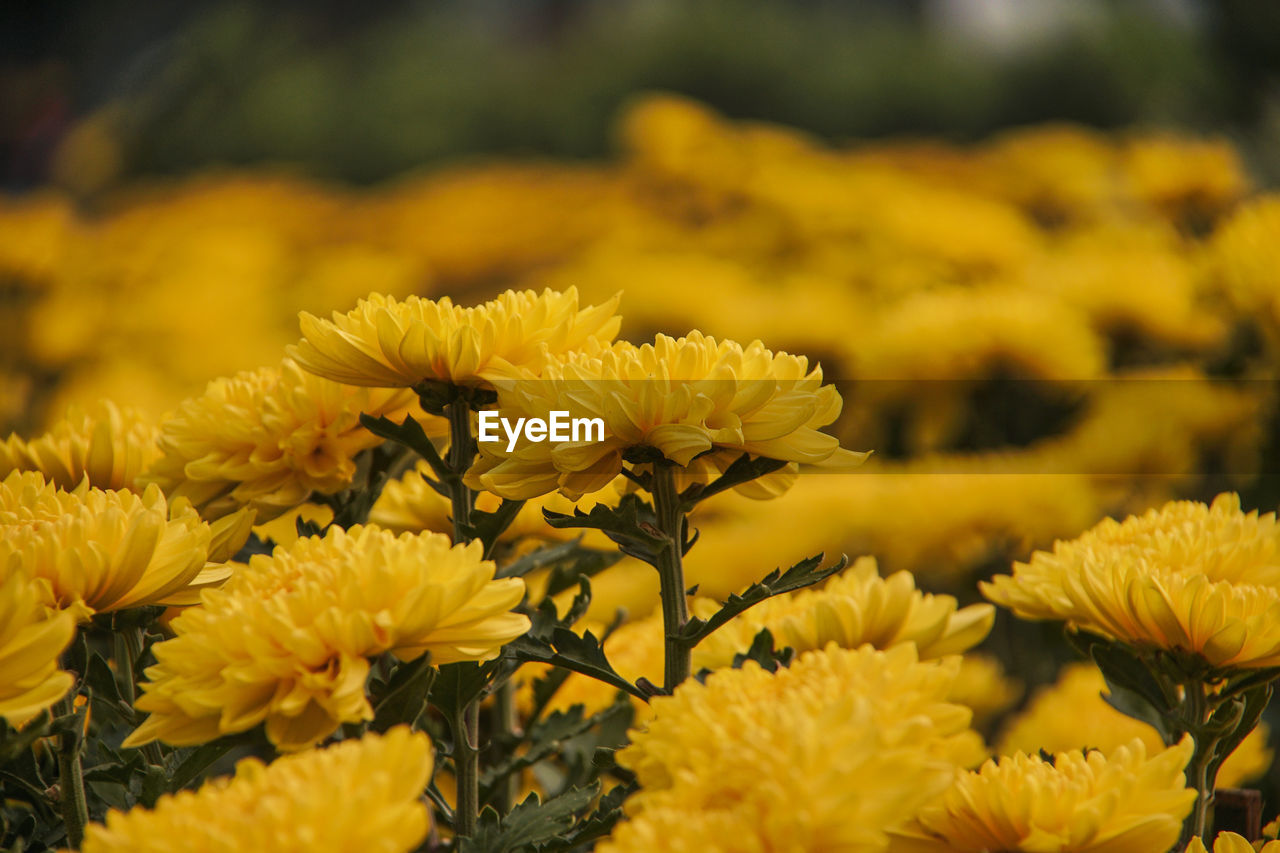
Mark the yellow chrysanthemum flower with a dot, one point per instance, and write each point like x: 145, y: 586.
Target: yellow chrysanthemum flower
x: 1191, y: 577
x: 388, y: 343
x: 983, y: 687
x: 1245, y: 259
x: 266, y: 439
x: 355, y: 795
x: 857, y: 606
x: 31, y: 639
x: 1231, y: 842
x: 684, y: 398
x: 824, y: 755
x: 1080, y: 802
x: 287, y: 640
x: 103, y: 550
x: 1072, y: 714
x: 109, y: 445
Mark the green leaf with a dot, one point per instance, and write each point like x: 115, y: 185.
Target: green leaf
x: 762, y: 652
x: 802, y: 574
x: 597, y: 825
x: 458, y: 684
x: 744, y: 469
x: 408, y: 434
x: 193, y: 766
x: 564, y: 648
x: 529, y: 825
x: 404, y: 697
x: 489, y: 526
x: 631, y: 525
x: 545, y: 738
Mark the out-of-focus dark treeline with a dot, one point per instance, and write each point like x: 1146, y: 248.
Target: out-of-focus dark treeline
x: 95, y: 90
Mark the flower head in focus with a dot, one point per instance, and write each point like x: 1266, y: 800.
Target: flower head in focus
x: 109, y: 445
x: 1073, y: 714
x: 102, y: 551
x: 266, y: 439
x: 1125, y: 800
x: 355, y: 795
x: 1186, y: 577
x: 31, y: 639
x: 287, y: 640
x: 824, y: 755
x: 685, y: 399
x: 389, y: 343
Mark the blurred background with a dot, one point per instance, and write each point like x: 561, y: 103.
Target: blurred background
x: 93, y: 92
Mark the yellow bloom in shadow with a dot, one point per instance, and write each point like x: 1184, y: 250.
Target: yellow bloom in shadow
x: 31, y: 639
x: 1072, y: 714
x: 109, y: 445
x: 102, y: 551
x: 266, y: 439
x: 389, y: 343
x: 356, y: 795
x: 1190, y: 577
x: 1120, y: 802
x: 287, y: 641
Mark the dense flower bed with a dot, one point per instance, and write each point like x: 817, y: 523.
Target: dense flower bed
x: 1036, y: 374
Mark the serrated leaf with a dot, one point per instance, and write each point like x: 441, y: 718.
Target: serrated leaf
x: 744, y: 469
x: 529, y: 824
x: 545, y: 739
x: 631, y: 525
x: 802, y: 574
x: 489, y: 526
x: 762, y: 652
x: 404, y: 697
x: 597, y: 825
x: 582, y: 654
x: 408, y: 434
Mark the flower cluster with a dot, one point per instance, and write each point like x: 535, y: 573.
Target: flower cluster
x: 827, y: 754
x: 287, y: 641
x: 267, y: 439
x: 1198, y: 578
x: 356, y: 795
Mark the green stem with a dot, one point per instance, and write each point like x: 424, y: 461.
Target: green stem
x: 466, y: 760
x: 506, y: 721
x: 1199, y: 768
x: 128, y: 650
x: 675, y: 608
x: 466, y: 728
x: 75, y: 810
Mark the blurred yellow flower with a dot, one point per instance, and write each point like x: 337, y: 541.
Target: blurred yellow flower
x: 855, y: 607
x: 681, y: 397
x: 1231, y: 842
x: 1191, y: 577
x: 1122, y: 801
x: 355, y: 795
x: 983, y: 687
x: 411, y: 505
x: 287, y: 640
x: 31, y: 639
x: 109, y: 445
x: 824, y: 755
x: 384, y: 342
x: 1245, y: 261
x: 1072, y: 714
x: 267, y: 439
x: 103, y: 550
